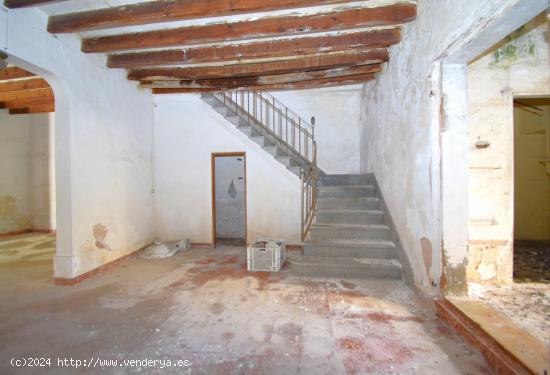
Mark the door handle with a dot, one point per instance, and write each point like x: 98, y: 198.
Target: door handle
x: 240, y: 178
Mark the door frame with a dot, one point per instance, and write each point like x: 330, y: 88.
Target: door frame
x: 213, y: 157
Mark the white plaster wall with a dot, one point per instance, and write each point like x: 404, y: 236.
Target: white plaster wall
x: 15, y: 203
x: 520, y: 66
x: 41, y: 176
x: 337, y: 113
x: 102, y: 145
x: 25, y: 199
x: 187, y: 132
x: 401, y: 123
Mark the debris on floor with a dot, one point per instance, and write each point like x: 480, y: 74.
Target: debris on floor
x: 159, y: 250
x: 532, y: 262
x: 527, y: 305
x: 202, y: 305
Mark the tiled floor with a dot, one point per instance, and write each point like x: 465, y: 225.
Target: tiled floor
x: 203, y: 306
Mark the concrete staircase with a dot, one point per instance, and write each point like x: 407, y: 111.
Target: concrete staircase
x: 258, y: 133
x: 351, y: 236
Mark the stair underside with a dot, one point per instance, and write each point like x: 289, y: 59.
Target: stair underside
x: 285, y: 155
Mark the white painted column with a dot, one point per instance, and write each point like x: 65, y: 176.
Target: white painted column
x: 454, y: 169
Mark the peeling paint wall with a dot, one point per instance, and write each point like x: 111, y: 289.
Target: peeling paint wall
x: 25, y: 172
x: 337, y: 113
x: 518, y: 66
x: 187, y: 132
x: 401, y: 125
x: 102, y: 140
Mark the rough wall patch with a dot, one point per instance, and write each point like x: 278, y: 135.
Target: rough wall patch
x: 100, y: 232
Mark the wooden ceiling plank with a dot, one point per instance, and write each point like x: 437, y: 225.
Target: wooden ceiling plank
x: 25, y: 94
x: 261, y: 49
x: 259, y: 28
x: 264, y: 80
x: 14, y: 72
x: 308, y: 62
x: 13, y: 4
x: 23, y: 84
x: 169, y: 10
x: 310, y: 84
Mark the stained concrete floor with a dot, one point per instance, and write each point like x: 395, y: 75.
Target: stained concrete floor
x: 202, y: 306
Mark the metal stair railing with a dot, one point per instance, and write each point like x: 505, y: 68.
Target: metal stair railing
x: 278, y: 121
x: 273, y: 118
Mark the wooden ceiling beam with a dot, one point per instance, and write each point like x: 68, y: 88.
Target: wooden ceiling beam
x: 238, y: 82
x: 32, y: 102
x: 37, y: 109
x: 26, y: 94
x: 14, y: 72
x: 169, y: 10
x: 305, y: 63
x: 310, y: 84
x: 12, y: 4
x: 261, y: 49
x: 259, y: 28
x: 23, y: 84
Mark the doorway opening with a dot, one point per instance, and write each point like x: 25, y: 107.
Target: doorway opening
x: 27, y: 176
x: 229, y: 198
x: 508, y: 188
x: 532, y: 189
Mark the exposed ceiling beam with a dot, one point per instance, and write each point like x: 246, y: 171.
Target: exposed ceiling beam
x: 311, y: 84
x: 27, y: 3
x: 38, y: 109
x: 259, y: 28
x: 23, y: 84
x: 237, y: 82
x: 26, y: 94
x: 308, y: 62
x: 168, y: 10
x: 14, y: 72
x: 260, y: 49
x: 32, y: 102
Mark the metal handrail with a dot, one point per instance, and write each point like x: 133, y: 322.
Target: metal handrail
x: 277, y: 120
x: 273, y: 118
x: 308, y: 178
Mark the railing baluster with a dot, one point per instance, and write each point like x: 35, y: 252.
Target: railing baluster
x: 300, y: 136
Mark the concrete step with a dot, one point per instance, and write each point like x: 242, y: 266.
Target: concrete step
x: 344, y: 180
x: 234, y: 119
x: 294, y: 169
x: 365, y: 203
x: 361, y: 217
x: 221, y: 109
x: 346, y: 191
x: 259, y: 139
x: 247, y: 130
x: 349, y: 232
x: 272, y: 149
x: 284, y: 159
x: 377, y: 249
x: 346, y: 268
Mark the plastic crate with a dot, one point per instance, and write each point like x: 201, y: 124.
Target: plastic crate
x: 266, y: 255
